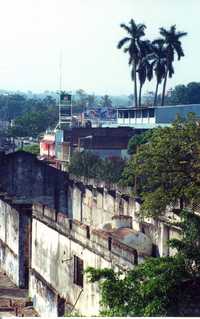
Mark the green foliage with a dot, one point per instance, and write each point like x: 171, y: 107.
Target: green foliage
x: 34, y: 123
x: 158, y: 287
x: 111, y: 169
x: 188, y: 246
x: 90, y: 165
x: 183, y: 94
x: 150, y: 289
x: 106, y: 101
x: 138, y: 140
x: 167, y: 168
x: 34, y: 149
x: 72, y: 314
x: 15, y: 105
x: 85, y: 164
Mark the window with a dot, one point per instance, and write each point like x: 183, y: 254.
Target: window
x: 120, y: 114
x: 145, y: 113
x: 132, y: 114
x: 78, y: 271
x: 126, y: 114
x: 138, y: 114
x: 151, y: 113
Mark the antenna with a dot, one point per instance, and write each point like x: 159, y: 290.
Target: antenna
x: 65, y: 99
x: 60, y: 69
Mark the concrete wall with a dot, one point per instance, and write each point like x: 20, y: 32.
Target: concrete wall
x: 9, y: 241
x: 24, y: 176
x: 54, y: 245
x: 97, y: 205
x: 15, y: 232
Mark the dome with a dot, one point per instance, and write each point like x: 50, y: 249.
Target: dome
x: 135, y: 239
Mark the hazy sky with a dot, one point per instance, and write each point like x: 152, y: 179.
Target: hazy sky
x: 32, y: 33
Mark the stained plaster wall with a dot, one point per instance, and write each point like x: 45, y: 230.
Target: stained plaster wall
x: 53, y: 248
x: 160, y: 232
x: 22, y: 175
x: 15, y: 225
x: 9, y: 241
x: 95, y: 206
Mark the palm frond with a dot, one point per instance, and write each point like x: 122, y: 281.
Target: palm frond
x: 179, y: 50
x: 122, y: 42
x: 124, y: 26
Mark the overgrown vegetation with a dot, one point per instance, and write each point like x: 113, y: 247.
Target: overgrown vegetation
x: 90, y: 165
x: 167, y: 286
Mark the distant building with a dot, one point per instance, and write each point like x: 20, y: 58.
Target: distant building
x: 150, y: 117
x: 105, y: 142
x: 47, y: 146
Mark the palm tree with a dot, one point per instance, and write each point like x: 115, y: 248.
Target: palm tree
x: 172, y: 46
x: 135, y: 32
x: 144, y: 67
x: 158, y: 63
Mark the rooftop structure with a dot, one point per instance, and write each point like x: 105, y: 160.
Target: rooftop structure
x: 150, y: 117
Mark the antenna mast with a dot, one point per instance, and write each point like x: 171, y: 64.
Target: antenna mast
x: 65, y: 100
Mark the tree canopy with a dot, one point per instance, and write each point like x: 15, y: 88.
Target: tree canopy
x: 166, y: 170
x: 90, y: 165
x: 137, y: 140
x: 186, y: 94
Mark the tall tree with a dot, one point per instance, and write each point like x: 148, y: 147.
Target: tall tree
x: 106, y: 101
x: 133, y: 40
x: 158, y: 63
x: 144, y: 67
x: 172, y: 46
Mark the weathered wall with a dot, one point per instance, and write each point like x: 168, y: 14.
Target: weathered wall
x: 24, y: 176
x: 97, y: 205
x: 160, y: 232
x: 15, y: 232
x: 9, y: 241
x: 54, y: 245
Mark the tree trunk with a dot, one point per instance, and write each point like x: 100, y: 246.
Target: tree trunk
x: 156, y: 94
x: 140, y: 95
x: 135, y: 84
x: 164, y: 88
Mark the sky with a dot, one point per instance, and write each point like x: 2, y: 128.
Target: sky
x: 37, y: 36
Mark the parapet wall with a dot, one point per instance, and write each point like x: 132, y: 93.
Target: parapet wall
x: 96, y: 240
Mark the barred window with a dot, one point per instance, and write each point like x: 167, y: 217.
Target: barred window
x: 78, y: 271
